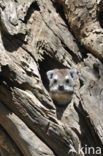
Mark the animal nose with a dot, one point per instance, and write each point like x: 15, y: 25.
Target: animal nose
x: 61, y: 87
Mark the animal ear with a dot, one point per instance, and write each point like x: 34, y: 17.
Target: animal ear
x: 50, y: 74
x: 73, y: 73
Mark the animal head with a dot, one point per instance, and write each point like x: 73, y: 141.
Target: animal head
x: 61, y: 80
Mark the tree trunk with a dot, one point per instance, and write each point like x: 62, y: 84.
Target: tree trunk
x: 37, y: 36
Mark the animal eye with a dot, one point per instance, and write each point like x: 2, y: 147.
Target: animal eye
x: 55, y: 80
x: 67, y: 80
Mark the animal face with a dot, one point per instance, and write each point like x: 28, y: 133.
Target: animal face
x: 61, y: 80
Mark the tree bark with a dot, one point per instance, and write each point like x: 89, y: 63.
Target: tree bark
x: 37, y: 36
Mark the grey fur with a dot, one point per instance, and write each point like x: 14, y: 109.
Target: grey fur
x: 61, y: 85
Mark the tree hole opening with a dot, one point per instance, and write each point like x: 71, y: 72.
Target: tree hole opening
x: 46, y: 64
x: 100, y: 18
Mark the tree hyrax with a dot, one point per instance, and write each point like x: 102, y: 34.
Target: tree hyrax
x: 61, y: 85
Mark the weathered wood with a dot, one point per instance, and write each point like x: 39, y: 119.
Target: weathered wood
x: 37, y: 36
x: 84, y: 21
x: 7, y: 146
x: 27, y: 142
